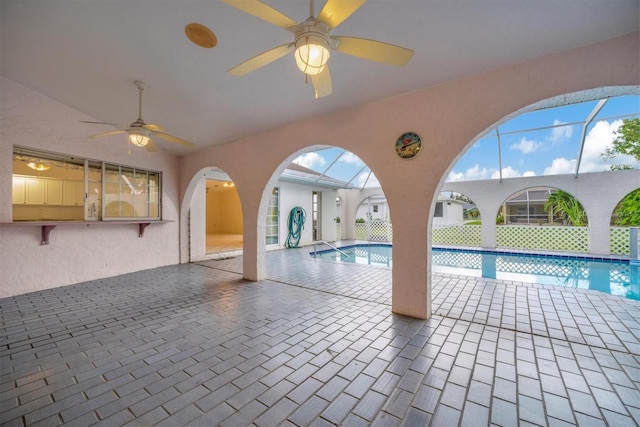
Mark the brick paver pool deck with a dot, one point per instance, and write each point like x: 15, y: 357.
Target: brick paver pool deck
x: 315, y: 344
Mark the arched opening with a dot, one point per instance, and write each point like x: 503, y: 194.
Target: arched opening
x: 328, y: 184
x: 544, y: 219
x: 543, y: 180
x: 334, y: 188
x: 211, y: 217
x: 625, y: 215
x: 223, y: 215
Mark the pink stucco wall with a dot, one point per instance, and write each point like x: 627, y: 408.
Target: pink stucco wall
x: 448, y: 117
x: 76, y: 253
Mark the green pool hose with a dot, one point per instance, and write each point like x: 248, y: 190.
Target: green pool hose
x: 296, y: 225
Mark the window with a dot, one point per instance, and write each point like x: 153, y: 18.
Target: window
x: 438, y: 212
x: 273, y: 218
x: 52, y: 187
x: 375, y: 208
x: 131, y: 192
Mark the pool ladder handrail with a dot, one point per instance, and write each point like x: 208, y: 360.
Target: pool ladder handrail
x: 315, y: 248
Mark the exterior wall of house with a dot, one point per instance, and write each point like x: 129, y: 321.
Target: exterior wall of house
x: 293, y: 195
x: 452, y: 213
x: 75, y: 253
x: 449, y: 117
x: 373, y: 210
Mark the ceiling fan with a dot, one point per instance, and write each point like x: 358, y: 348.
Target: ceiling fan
x: 139, y: 132
x: 312, y: 41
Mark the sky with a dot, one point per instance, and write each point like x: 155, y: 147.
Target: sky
x: 525, y: 148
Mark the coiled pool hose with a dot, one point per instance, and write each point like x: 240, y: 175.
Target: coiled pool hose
x: 296, y: 225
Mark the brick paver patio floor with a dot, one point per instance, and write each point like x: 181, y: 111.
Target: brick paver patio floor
x: 315, y: 344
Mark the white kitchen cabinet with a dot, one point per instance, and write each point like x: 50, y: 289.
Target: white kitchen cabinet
x: 53, y: 192
x: 18, y: 193
x: 35, y: 191
x: 73, y: 193
x: 31, y: 190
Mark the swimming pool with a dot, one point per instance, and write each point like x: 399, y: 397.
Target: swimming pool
x: 616, y: 277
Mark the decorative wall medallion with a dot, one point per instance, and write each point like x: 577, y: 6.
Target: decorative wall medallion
x: 408, y: 145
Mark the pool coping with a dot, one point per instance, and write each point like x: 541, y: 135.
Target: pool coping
x: 513, y: 252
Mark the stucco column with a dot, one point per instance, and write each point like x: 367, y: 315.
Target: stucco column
x: 253, y: 254
x: 488, y: 229
x: 411, y: 293
x: 252, y: 196
x: 599, y: 234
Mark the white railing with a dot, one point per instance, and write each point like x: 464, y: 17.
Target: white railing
x: 322, y: 242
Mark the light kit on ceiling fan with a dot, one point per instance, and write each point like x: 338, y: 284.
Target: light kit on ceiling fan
x: 312, y: 43
x: 140, y: 134
x: 312, y: 47
x: 138, y: 138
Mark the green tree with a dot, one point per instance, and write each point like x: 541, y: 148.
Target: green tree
x: 627, y: 212
x: 627, y: 142
x: 566, y: 207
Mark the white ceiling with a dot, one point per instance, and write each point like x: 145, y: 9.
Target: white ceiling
x: 87, y: 53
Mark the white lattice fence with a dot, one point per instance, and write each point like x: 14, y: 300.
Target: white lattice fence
x: 619, y: 240
x: 550, y: 238
x: 380, y: 231
x: 457, y: 235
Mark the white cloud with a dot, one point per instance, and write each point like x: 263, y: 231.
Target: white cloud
x: 372, y: 182
x: 477, y: 172
x: 526, y: 146
x: 349, y: 157
x: 598, y: 139
x: 507, y: 172
x: 310, y: 160
x: 560, y: 166
x: 455, y: 176
x: 473, y: 173
x: 561, y: 133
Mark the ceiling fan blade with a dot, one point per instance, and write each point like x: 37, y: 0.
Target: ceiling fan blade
x: 154, y: 128
x: 98, y: 123
x: 373, y: 50
x: 113, y: 132
x: 261, y: 60
x: 264, y: 12
x: 335, y: 12
x: 175, y: 139
x: 151, y: 146
x: 322, y: 83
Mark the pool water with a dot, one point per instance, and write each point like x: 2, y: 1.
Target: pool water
x: 616, y: 277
